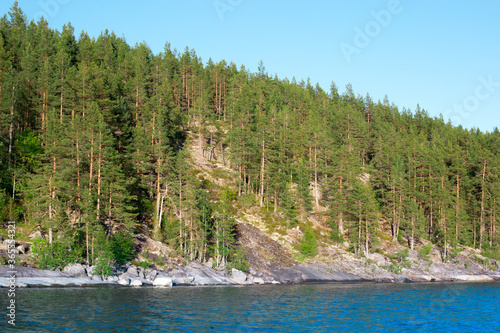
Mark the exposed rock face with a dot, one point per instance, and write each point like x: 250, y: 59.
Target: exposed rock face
x: 132, y: 271
x: 272, y: 262
x: 124, y: 281
x: 37, y: 234
x: 32, y: 277
x: 163, y: 281
x: 75, y: 270
x: 238, y: 276
x: 136, y: 283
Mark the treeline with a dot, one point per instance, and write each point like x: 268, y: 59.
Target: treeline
x: 93, y: 132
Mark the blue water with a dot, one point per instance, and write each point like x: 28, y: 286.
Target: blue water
x: 287, y: 308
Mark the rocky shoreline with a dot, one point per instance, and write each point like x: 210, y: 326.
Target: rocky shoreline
x: 196, y: 274
x: 270, y: 262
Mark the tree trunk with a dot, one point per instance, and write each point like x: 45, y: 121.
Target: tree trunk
x: 262, y: 174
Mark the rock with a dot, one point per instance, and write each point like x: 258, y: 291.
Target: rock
x: 474, y: 278
x: 123, y: 281
x: 90, y: 271
x: 258, y: 280
x: 209, y: 263
x: 150, y: 273
x: 21, y: 249
x: 112, y: 278
x: 132, y: 271
x: 75, y: 270
x: 141, y: 275
x: 163, y: 281
x: 179, y: 277
x: 36, y: 234
x: 136, y: 283
x: 238, y: 276
x: 378, y: 259
x: 96, y: 278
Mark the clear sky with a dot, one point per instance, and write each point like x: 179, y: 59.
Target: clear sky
x: 442, y: 55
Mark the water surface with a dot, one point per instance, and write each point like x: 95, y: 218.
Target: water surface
x: 283, y: 308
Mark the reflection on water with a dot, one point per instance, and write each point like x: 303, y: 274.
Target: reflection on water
x: 289, y: 308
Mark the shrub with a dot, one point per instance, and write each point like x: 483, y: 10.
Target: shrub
x: 309, y: 244
x: 424, y: 252
x: 122, y: 247
x: 57, y: 255
x: 238, y: 260
x: 402, y: 258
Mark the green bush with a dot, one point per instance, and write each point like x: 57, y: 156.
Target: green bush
x: 402, y: 258
x: 57, y: 255
x: 309, y: 244
x: 144, y: 264
x: 122, y: 247
x: 238, y: 260
x: 424, y: 252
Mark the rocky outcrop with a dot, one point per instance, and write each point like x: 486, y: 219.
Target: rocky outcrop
x: 32, y: 277
x: 75, y: 270
x: 163, y: 281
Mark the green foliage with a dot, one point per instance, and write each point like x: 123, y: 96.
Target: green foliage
x: 394, y: 268
x: 335, y: 233
x: 122, y: 247
x: 423, y: 253
x: 238, y: 260
x: 144, y: 263
x: 103, y: 265
x: 57, y: 255
x: 108, y: 142
x: 402, y: 258
x: 309, y: 244
x: 247, y: 200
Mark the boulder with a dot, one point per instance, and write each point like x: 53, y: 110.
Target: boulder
x: 96, y: 278
x: 36, y: 234
x: 75, y: 270
x: 163, y: 281
x: 123, y: 281
x: 132, y: 271
x: 90, y: 271
x: 112, y: 278
x: 238, y: 276
x: 258, y: 280
x: 150, y: 274
x: 136, y: 283
x: 21, y: 249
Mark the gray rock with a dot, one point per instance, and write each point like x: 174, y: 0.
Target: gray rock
x: 112, y: 278
x: 163, y: 281
x: 123, y: 281
x: 136, y: 283
x: 258, y: 280
x: 179, y: 277
x: 132, y: 271
x: 209, y: 263
x: 90, y: 271
x: 21, y: 249
x: 150, y: 273
x: 96, y: 278
x: 36, y: 234
x: 238, y: 276
x: 75, y: 270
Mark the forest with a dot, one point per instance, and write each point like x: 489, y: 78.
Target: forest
x: 94, y: 138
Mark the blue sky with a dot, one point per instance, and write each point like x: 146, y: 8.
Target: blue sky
x: 442, y: 55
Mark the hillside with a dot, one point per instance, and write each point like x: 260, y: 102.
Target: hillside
x: 105, y: 147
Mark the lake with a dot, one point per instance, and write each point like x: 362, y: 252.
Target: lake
x: 436, y: 307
